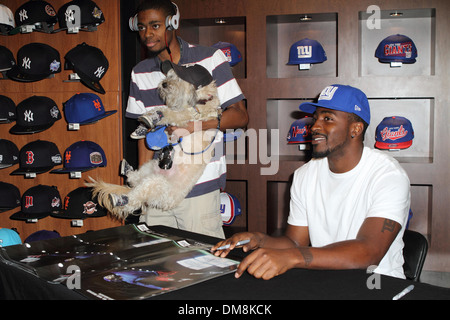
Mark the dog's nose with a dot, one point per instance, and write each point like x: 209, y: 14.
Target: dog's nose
x: 164, y: 85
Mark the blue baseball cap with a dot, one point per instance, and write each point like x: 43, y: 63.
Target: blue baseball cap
x: 230, y: 208
x: 396, y: 48
x: 341, y: 98
x: 306, y: 51
x: 42, y: 235
x: 231, y: 52
x: 9, y: 237
x: 300, y: 131
x: 394, y: 133
x: 85, y: 108
x: 82, y: 156
x: 157, y: 138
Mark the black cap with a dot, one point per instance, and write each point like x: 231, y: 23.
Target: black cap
x: 80, y: 204
x: 35, y: 114
x: 90, y: 15
x: 9, y: 196
x: 7, y: 109
x: 194, y: 74
x: 9, y: 154
x: 7, y: 60
x: 38, y: 157
x: 38, y: 202
x: 36, y: 61
x: 39, y: 15
x: 89, y: 63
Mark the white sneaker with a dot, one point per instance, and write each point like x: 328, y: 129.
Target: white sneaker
x: 140, y: 132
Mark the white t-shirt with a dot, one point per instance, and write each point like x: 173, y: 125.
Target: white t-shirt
x: 334, y: 206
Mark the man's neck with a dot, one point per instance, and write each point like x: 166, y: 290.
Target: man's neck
x: 346, y: 161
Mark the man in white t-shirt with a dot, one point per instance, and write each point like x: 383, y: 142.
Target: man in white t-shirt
x: 349, y: 204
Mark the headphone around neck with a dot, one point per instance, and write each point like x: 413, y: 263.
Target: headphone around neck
x: 172, y: 22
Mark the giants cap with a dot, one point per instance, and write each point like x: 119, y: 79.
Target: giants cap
x: 35, y: 114
x: 9, y: 196
x: 342, y: 98
x: 306, y: 51
x: 394, y: 133
x: 35, y: 15
x: 194, y: 74
x: 230, y: 208
x: 85, y: 108
x: 9, y: 154
x: 36, y: 61
x: 82, y: 156
x: 230, y: 51
x: 79, y: 15
x: 6, y: 20
x: 38, y: 202
x: 38, y: 157
x: 7, y: 110
x: 396, y: 48
x: 300, y: 131
x: 89, y: 63
x: 80, y: 204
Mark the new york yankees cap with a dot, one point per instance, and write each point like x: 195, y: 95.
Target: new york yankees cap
x: 35, y: 15
x: 396, y: 48
x: 230, y: 51
x: 9, y: 154
x: 35, y: 114
x: 7, y: 22
x: 86, y: 17
x: 300, y: 131
x: 306, y: 51
x: 85, y: 108
x: 36, y: 61
x: 194, y: 74
x: 342, y: 98
x: 394, y: 133
x: 7, y: 109
x: 9, y: 237
x: 9, y: 196
x: 38, y: 156
x: 7, y: 60
x: 89, y: 63
x: 80, y: 204
x: 82, y: 156
x: 38, y: 202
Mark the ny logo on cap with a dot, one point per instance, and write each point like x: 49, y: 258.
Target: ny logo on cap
x: 26, y: 63
x: 304, y: 51
x: 328, y: 93
x: 99, y: 72
x: 23, y: 14
x: 28, y: 116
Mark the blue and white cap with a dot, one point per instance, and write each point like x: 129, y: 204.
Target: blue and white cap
x: 341, y: 98
x: 230, y: 208
x: 300, y: 131
x: 85, y: 108
x: 232, y: 53
x: 396, y: 48
x: 82, y: 156
x: 306, y: 51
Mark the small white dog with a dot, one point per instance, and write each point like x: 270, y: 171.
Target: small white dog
x: 190, y: 93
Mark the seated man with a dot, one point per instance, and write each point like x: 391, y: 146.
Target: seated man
x: 349, y: 204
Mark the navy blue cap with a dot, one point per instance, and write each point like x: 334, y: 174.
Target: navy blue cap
x: 306, y: 51
x: 38, y: 157
x: 300, y: 131
x: 394, y: 132
x: 230, y: 51
x: 396, y: 48
x: 82, y: 156
x: 85, y: 108
x: 42, y: 235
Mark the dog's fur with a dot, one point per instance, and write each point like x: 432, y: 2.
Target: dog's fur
x: 165, y: 189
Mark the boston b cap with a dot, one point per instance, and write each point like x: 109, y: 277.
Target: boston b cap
x: 80, y: 204
x: 38, y: 202
x: 394, y: 133
x: 35, y: 61
x: 306, y: 51
x: 86, y: 17
x: 342, y: 98
x: 35, y: 114
x: 89, y: 63
x: 82, y: 156
x: 85, y: 108
x: 38, y: 157
x: 194, y: 74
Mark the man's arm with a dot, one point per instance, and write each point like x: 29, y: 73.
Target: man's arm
x: 371, y: 244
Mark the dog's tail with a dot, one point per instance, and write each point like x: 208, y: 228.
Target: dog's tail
x: 103, y: 191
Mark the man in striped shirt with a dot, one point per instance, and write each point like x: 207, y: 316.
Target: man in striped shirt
x: 199, y: 211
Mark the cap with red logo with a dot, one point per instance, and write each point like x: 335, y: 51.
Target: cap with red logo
x: 38, y: 157
x: 85, y: 108
x: 394, y: 133
x: 80, y: 204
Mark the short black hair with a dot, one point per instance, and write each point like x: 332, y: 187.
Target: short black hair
x: 165, y: 5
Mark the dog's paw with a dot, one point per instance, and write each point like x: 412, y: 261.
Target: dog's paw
x: 150, y: 119
x: 118, y: 200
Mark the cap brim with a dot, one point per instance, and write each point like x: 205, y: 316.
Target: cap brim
x: 15, y: 74
x: 69, y: 170
x: 28, y: 216
x: 93, y: 120
x: 309, y: 107
x: 87, y: 81
x: 18, y: 129
x: 31, y: 170
x: 7, y: 165
x: 393, y: 146
x: 64, y: 215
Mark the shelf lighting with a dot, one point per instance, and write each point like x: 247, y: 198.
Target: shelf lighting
x: 305, y: 18
x: 396, y: 14
x: 220, y: 21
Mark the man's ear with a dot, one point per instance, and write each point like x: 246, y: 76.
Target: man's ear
x: 356, y: 129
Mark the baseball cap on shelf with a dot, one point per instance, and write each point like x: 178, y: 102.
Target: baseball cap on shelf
x: 7, y: 60
x: 9, y: 196
x: 230, y: 208
x: 9, y: 154
x: 394, y: 133
x: 80, y: 204
x: 35, y: 114
x: 194, y: 74
x: 82, y: 156
x: 85, y: 108
x: 9, y: 237
x: 35, y: 15
x: 341, y: 98
x: 231, y: 52
x: 42, y: 235
x: 7, y: 22
x: 89, y: 63
x: 300, y: 131
x: 306, y: 51
x: 79, y: 15
x: 7, y: 110
x: 38, y: 202
x: 36, y: 61
x: 396, y: 48
x: 38, y: 157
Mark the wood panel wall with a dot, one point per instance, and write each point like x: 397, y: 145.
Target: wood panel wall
x: 107, y: 132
